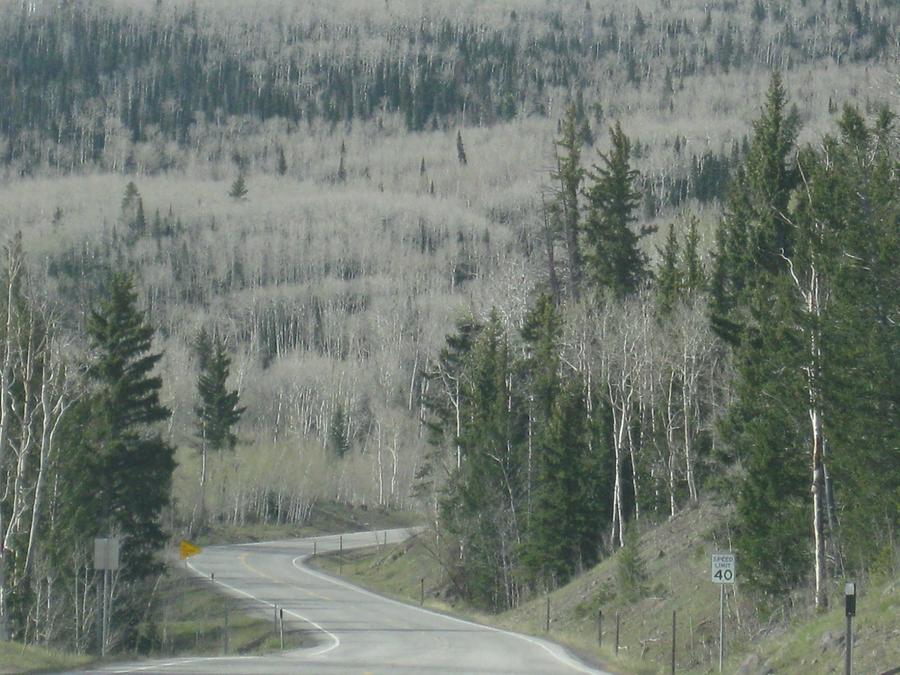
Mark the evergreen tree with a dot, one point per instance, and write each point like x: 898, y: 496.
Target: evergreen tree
x: 631, y: 570
x: 460, y: 149
x: 813, y: 351
x: 615, y: 263
x: 130, y: 197
x: 117, y: 469
x: 569, y: 176
x: 692, y: 272
x: 563, y: 534
x: 281, y: 163
x: 754, y: 235
x: 342, y: 171
x: 338, y: 438
x: 238, y: 188
x: 480, y: 500
x: 139, y: 224
x: 217, y: 412
x: 668, y: 277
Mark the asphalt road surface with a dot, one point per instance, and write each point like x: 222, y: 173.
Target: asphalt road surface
x: 355, y: 631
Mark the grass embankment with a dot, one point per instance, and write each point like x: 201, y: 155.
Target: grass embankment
x: 188, y: 617
x: 676, y: 556
x: 191, y: 619
x: 17, y: 658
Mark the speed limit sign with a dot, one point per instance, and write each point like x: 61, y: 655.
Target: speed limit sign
x: 723, y: 568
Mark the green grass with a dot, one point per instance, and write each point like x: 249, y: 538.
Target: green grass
x: 817, y: 644
x: 17, y: 658
x: 190, y: 618
x: 676, y: 557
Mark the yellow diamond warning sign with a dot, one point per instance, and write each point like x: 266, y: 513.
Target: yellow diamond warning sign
x: 187, y: 549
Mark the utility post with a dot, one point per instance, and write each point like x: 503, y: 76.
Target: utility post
x: 850, y: 611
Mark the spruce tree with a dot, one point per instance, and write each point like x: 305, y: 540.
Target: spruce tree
x: 238, y: 188
x: 615, y: 262
x: 691, y: 269
x: 338, y: 438
x: 754, y: 236
x: 668, y: 277
x: 460, y: 149
x: 631, y: 570
x: 117, y: 469
x: 569, y: 176
x: 217, y: 411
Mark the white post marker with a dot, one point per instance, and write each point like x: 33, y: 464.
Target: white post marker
x: 722, y: 572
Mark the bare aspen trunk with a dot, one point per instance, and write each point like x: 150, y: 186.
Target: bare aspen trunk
x: 687, y: 390
x: 52, y: 413
x: 458, y: 412
x: 634, y: 474
x: 670, y: 442
x: 809, y: 288
x: 380, y: 468
x: 14, y: 263
x: 818, y: 495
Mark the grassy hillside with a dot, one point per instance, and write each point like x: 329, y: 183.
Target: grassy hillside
x: 676, y: 556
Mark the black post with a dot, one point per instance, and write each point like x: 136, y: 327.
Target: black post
x: 422, y: 591
x: 673, y: 642
x: 848, y: 656
x: 547, y: 624
x: 281, y: 627
x: 226, y: 628
x: 599, y: 627
x: 850, y: 612
x: 617, y: 633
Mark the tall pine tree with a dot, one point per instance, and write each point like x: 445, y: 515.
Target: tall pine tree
x: 615, y: 262
x: 217, y: 411
x: 117, y: 469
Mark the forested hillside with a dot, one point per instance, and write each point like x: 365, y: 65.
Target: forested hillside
x: 545, y: 271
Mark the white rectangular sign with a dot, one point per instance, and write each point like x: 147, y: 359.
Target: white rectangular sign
x: 106, y: 553
x: 722, y: 568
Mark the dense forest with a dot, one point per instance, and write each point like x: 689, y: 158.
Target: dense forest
x: 549, y: 273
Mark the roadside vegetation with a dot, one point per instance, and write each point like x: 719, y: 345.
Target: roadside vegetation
x: 674, y: 566
x: 18, y: 658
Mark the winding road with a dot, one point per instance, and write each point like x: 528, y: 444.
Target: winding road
x: 355, y: 631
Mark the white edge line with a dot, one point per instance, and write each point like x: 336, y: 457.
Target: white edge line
x: 179, y: 662
x: 336, y: 642
x: 550, y: 649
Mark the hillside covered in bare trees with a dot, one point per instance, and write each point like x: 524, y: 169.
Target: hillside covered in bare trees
x: 512, y: 264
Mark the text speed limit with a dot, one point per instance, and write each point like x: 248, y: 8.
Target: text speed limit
x: 723, y: 568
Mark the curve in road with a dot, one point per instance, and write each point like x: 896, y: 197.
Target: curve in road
x: 356, y: 631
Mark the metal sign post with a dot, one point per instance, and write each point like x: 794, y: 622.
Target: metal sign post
x: 850, y: 611
x: 106, y: 559
x: 722, y: 568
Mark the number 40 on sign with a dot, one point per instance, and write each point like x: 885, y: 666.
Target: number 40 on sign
x: 723, y: 568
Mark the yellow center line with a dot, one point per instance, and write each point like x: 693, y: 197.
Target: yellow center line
x: 243, y: 558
